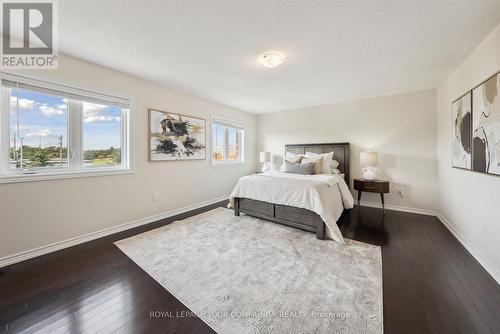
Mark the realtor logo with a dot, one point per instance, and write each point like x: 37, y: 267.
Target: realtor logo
x: 29, y: 35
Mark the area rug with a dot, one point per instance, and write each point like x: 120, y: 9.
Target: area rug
x: 247, y: 275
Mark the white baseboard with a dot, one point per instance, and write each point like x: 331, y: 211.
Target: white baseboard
x: 400, y: 208
x: 29, y: 254
x: 471, y: 249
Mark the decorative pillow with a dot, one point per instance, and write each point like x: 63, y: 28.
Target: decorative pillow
x: 302, y: 168
x: 288, y: 163
x: 292, y: 157
x: 295, y: 160
x: 326, y: 161
x: 317, y: 161
x: 334, y: 164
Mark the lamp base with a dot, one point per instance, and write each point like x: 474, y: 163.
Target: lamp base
x: 369, y: 173
x: 264, y: 168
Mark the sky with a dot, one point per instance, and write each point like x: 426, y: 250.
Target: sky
x: 218, y: 138
x: 42, y: 118
x: 218, y: 135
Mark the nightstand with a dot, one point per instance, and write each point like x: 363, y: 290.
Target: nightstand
x: 372, y: 186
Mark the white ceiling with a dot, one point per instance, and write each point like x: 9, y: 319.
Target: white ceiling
x: 338, y: 50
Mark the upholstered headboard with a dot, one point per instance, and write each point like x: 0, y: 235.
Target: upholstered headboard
x: 341, y: 153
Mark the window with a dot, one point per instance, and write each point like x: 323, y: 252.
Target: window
x: 101, y: 135
x: 54, y: 129
x: 38, y: 130
x: 227, y: 141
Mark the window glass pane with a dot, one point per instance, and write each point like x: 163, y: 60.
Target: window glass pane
x: 239, y: 146
x: 38, y: 130
x: 233, y: 144
x: 218, y: 142
x: 101, y: 135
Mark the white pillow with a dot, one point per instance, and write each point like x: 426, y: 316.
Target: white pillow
x: 293, y: 155
x: 326, y: 161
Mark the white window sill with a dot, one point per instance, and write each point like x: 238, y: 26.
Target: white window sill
x: 44, y: 176
x: 227, y: 163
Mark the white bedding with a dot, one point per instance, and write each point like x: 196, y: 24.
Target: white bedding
x: 326, y: 195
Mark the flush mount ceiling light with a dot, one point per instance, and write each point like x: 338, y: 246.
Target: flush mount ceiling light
x: 272, y: 59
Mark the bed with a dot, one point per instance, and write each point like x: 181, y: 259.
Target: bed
x: 312, y: 202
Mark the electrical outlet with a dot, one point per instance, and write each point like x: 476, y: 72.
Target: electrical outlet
x: 156, y: 197
x: 399, y: 192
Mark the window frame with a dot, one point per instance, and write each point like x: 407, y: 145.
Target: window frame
x: 75, y: 132
x: 230, y: 123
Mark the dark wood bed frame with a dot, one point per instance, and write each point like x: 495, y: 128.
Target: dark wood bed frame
x: 293, y: 216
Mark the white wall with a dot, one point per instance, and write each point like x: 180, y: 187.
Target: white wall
x: 469, y: 201
x: 35, y: 214
x: 401, y: 128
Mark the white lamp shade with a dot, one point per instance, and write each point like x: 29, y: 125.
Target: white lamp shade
x: 265, y: 156
x: 368, y: 159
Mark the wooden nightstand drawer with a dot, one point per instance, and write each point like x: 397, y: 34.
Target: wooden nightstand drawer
x: 375, y: 186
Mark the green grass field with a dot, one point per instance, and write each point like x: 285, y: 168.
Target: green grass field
x: 103, y: 162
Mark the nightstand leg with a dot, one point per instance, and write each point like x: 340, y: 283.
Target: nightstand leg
x: 383, y: 205
x: 359, y: 197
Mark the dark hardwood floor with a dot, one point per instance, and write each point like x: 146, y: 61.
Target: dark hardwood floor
x: 431, y: 284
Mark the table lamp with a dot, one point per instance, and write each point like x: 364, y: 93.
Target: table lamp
x: 369, y: 163
x: 265, y: 157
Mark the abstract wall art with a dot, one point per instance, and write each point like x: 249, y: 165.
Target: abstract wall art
x: 461, y: 143
x: 176, y: 137
x: 486, y: 126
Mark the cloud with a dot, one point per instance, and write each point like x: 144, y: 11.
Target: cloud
x: 91, y: 114
x: 93, y: 107
x: 50, y: 111
x: 23, y: 103
x: 41, y: 133
x: 100, y: 118
x: 21, y: 128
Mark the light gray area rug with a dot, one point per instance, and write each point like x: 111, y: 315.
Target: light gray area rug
x: 246, y: 275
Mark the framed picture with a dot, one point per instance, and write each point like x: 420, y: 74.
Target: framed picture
x: 462, y: 127
x: 486, y: 126
x: 176, y: 137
